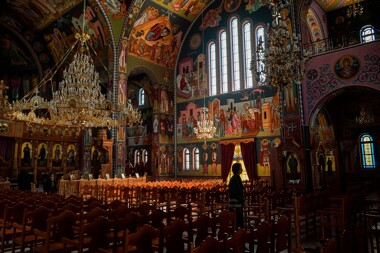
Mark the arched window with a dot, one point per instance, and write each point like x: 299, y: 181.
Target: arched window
x: 367, y: 34
x: 212, y: 68
x: 260, y: 42
x: 238, y: 158
x: 235, y: 55
x: 145, y: 156
x: 141, y: 97
x: 247, y: 49
x: 223, y: 62
x: 186, y: 160
x: 137, y: 157
x: 367, y: 151
x: 196, y: 158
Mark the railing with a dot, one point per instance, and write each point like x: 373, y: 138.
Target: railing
x: 335, y: 43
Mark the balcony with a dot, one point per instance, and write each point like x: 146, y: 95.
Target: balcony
x: 340, y: 42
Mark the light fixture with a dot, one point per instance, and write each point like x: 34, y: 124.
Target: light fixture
x: 79, y: 102
x: 279, y: 55
x: 354, y: 9
x: 205, y: 128
x: 365, y: 117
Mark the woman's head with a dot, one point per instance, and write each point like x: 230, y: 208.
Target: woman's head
x: 236, y: 168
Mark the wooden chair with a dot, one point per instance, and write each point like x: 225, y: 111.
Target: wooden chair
x: 209, y: 245
x: 330, y: 247
x: 202, y: 227
x: 236, y: 243
x: 129, y: 223
x: 111, y: 193
x: 12, y: 214
x: 157, y: 218
x: 114, y: 204
x: 282, y: 237
x: 91, y: 236
x: 225, y: 223
x: 373, y: 231
x: 221, y: 200
x: 87, y: 191
x: 92, y: 203
x: 141, y: 241
x: 163, y: 198
x: 174, y: 237
x: 58, y: 227
x: 93, y: 214
x: 144, y: 209
x: 261, y: 237
x: 36, y: 218
x: 254, y: 211
x: 182, y: 213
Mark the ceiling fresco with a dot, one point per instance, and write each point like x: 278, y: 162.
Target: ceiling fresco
x: 36, y: 14
x: 330, y: 5
x: 157, y: 25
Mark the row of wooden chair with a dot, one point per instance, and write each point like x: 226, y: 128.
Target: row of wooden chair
x: 266, y: 237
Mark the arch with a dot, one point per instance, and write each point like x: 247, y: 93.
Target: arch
x: 140, y: 70
x: 330, y: 96
x: 314, y: 25
x: 28, y: 46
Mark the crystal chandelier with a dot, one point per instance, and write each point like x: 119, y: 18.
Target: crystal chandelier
x: 365, y: 117
x: 78, y: 102
x: 205, y: 127
x: 354, y: 9
x: 279, y: 55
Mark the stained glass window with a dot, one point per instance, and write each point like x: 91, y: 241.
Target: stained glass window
x: 367, y: 152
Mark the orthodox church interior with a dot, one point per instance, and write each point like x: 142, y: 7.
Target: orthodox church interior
x: 147, y: 105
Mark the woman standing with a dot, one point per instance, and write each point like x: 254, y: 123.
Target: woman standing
x: 236, y: 191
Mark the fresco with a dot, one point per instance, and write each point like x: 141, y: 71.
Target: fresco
x: 39, y: 14
x: 347, y: 67
x: 192, y: 68
x: 187, y: 9
x: 60, y: 35
x: 235, y: 115
x: 155, y: 37
x: 322, y: 129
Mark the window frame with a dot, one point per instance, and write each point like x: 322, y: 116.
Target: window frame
x: 186, y: 159
x: 141, y: 97
x: 363, y: 36
x: 363, y: 154
x: 212, y: 69
x: 196, y: 159
x: 247, y: 53
x: 235, y: 53
x: 223, y: 69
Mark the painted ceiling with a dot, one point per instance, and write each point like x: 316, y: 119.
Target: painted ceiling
x: 330, y: 5
x: 52, y: 23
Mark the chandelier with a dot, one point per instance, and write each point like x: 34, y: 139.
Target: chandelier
x: 205, y: 127
x: 78, y: 103
x: 354, y: 9
x: 279, y: 55
x: 365, y: 117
